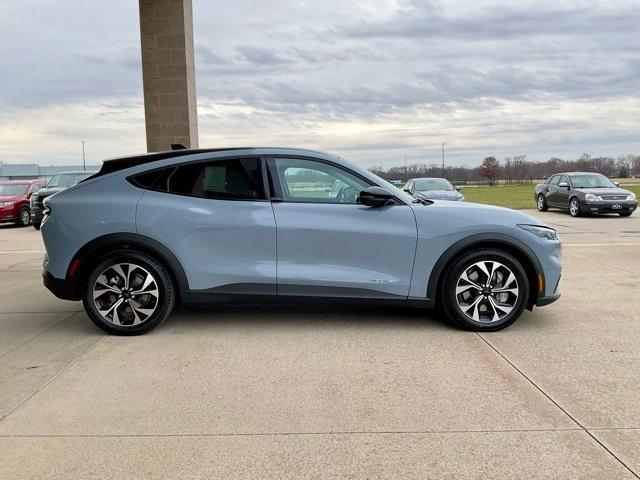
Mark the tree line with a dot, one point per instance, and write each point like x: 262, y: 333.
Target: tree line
x: 517, y: 169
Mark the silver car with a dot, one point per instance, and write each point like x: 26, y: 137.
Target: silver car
x: 261, y: 225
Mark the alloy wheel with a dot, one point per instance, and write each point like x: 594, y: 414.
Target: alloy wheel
x: 573, y: 207
x: 540, y: 202
x: 24, y: 217
x: 126, y: 294
x: 487, y: 291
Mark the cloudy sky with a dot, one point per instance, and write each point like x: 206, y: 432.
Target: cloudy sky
x: 372, y: 80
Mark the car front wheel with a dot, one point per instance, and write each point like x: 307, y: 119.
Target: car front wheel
x: 574, y: 207
x: 24, y: 217
x: 542, y: 203
x: 485, y: 290
x: 128, y: 294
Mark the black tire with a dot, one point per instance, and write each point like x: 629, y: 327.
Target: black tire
x: 542, y: 203
x: 163, y: 304
x: 36, y: 225
x: 24, y: 217
x: 449, y: 298
x: 624, y: 214
x: 574, y: 207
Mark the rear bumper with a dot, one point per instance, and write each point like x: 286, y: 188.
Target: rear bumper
x: 64, y: 289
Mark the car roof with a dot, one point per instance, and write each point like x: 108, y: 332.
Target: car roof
x: 23, y: 182
x: 429, y: 178
x: 121, y: 163
x: 570, y: 174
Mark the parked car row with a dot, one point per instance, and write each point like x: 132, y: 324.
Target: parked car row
x: 21, y: 200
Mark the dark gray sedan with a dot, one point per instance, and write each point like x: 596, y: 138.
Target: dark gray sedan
x: 432, y: 189
x: 584, y: 193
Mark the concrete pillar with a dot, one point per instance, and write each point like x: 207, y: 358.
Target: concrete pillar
x: 168, y: 74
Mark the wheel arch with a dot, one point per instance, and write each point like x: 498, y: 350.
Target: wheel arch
x: 506, y: 243
x: 93, y: 252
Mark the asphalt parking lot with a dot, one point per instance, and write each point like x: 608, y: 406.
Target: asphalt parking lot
x: 324, y: 392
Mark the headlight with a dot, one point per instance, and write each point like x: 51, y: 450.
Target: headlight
x: 46, y: 209
x: 631, y: 197
x: 542, y: 232
x: 590, y: 197
x: 6, y: 204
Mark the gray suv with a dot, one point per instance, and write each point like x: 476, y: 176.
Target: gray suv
x: 270, y: 225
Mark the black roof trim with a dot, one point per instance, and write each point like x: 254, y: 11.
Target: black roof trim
x: 117, y: 164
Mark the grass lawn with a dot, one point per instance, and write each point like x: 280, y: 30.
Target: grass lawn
x: 511, y: 196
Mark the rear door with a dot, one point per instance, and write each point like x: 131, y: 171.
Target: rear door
x: 215, y: 217
x: 330, y: 246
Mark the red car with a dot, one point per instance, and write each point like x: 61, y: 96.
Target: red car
x: 14, y: 200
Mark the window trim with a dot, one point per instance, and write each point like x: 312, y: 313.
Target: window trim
x: 261, y: 160
x: 277, y: 187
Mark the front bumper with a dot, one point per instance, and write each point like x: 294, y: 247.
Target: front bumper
x: 64, y: 289
x: 8, y: 214
x: 542, y: 301
x: 624, y: 206
x: 36, y: 215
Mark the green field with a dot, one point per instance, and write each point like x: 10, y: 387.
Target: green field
x: 511, y: 196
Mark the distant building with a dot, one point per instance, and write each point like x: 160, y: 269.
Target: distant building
x: 29, y: 171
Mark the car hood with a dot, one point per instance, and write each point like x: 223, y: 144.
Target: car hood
x: 46, y: 191
x: 438, y: 194
x: 11, y: 198
x: 465, y: 216
x: 604, y: 191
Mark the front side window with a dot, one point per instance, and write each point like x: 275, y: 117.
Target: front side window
x: 313, y: 181
x: 226, y: 179
x: 555, y: 180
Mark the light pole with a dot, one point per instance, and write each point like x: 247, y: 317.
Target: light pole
x: 405, y: 168
x: 84, y: 165
x: 443, y: 160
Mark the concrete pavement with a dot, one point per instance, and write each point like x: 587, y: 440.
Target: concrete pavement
x: 328, y: 392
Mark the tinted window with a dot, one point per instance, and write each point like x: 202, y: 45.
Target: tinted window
x: 314, y: 181
x: 555, y: 180
x: 230, y: 179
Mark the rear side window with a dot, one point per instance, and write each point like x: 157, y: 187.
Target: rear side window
x: 227, y: 179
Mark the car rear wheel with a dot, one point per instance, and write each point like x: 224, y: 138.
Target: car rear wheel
x: 574, y: 207
x: 128, y: 294
x: 24, y: 217
x: 485, y: 290
x: 542, y: 203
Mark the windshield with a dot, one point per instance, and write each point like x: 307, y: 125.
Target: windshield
x: 66, y: 180
x: 11, y: 189
x: 591, y: 181
x: 426, y: 184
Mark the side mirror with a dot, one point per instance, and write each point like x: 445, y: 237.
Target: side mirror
x: 374, y: 197
x: 617, y: 184
x: 457, y: 189
x: 563, y: 185
x: 408, y: 190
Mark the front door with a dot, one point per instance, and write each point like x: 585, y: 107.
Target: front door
x: 330, y: 246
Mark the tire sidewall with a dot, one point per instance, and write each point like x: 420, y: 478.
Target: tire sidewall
x: 20, y: 217
x: 165, y: 288
x: 544, y: 203
x: 450, y: 303
x: 577, y: 214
